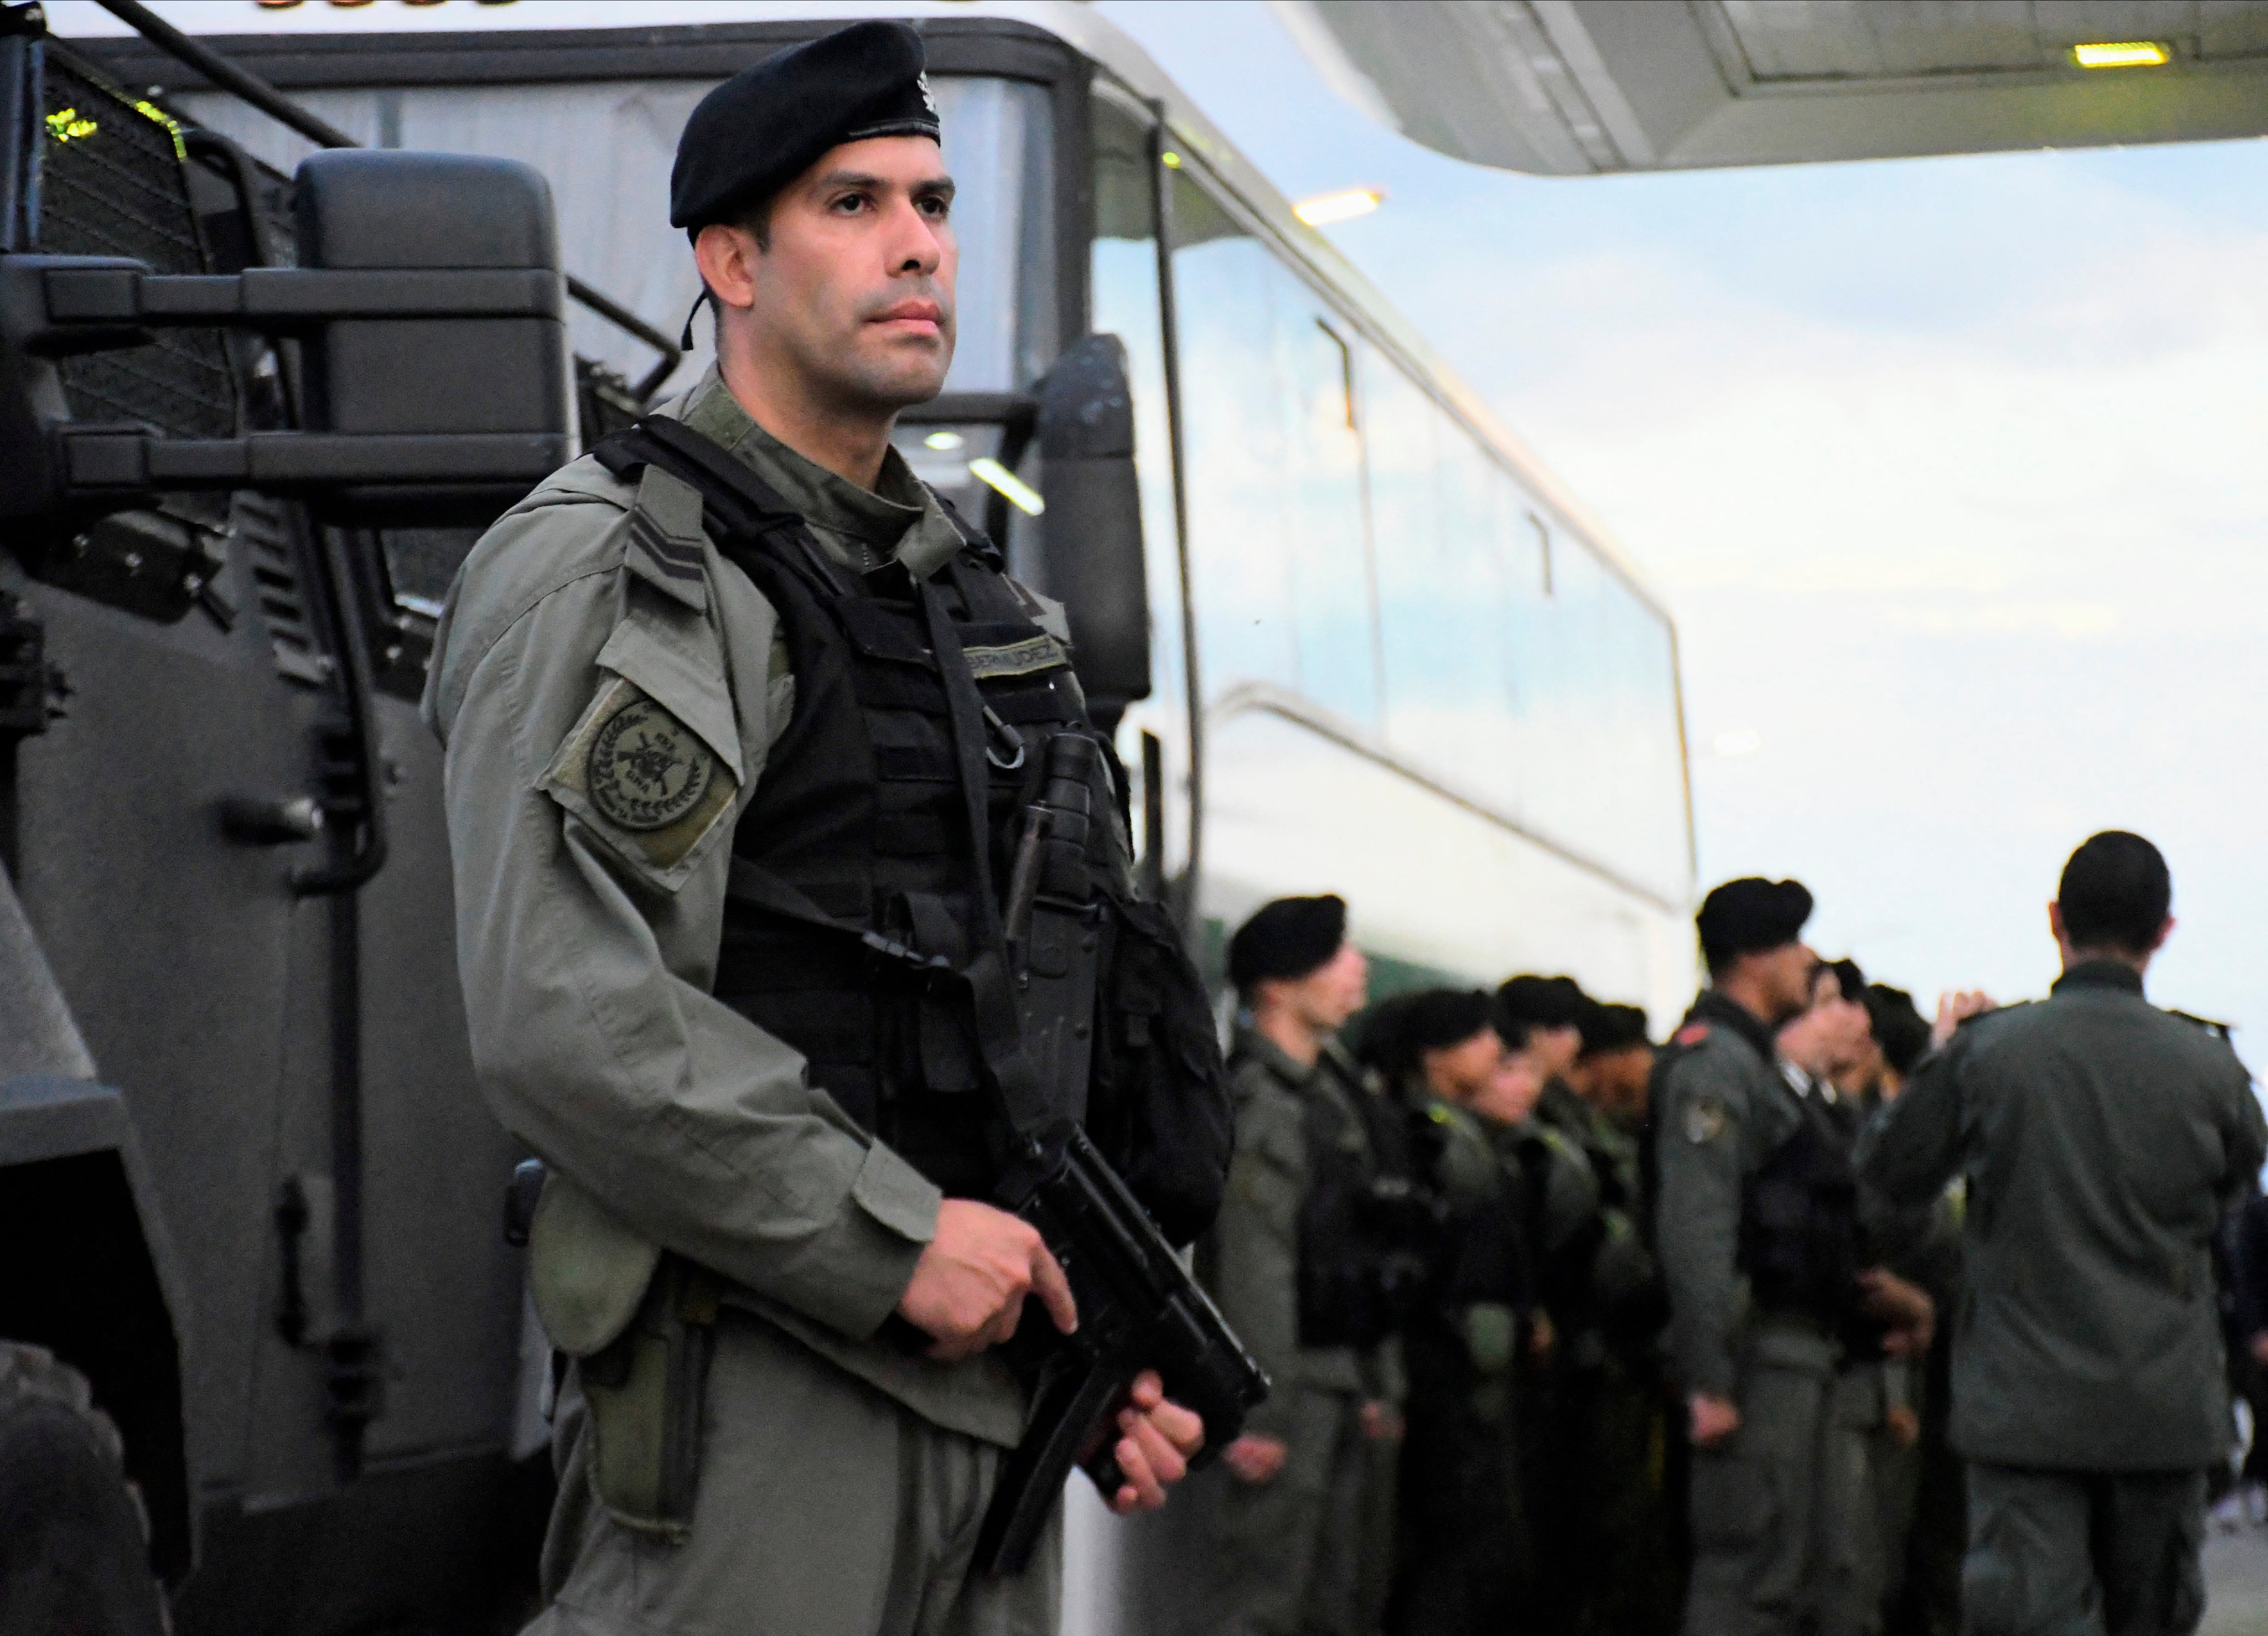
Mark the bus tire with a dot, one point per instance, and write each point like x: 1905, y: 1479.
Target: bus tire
x: 74, y: 1538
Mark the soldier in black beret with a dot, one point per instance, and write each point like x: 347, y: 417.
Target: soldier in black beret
x: 767, y: 1242
x: 1755, y: 1340
x: 1300, y: 1270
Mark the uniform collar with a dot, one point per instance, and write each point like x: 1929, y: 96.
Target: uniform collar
x: 1714, y: 1008
x: 2099, y: 974
x: 1253, y: 1043
x: 898, y: 517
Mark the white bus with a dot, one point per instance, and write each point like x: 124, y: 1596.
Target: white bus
x: 1389, y: 655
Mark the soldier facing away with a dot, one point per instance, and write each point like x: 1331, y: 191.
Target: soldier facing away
x: 763, y: 1244
x: 2103, y: 1140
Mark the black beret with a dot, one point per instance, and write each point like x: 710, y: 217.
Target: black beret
x: 1899, y: 1029
x: 1441, y: 1018
x: 1531, y: 1002
x: 767, y: 125
x: 1288, y: 937
x: 1751, y: 915
x: 1614, y: 1028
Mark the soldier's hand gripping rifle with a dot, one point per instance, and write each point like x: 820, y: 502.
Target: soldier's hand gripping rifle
x: 1139, y: 1308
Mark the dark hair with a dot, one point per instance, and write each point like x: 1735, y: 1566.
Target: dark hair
x: 2114, y: 893
x: 755, y: 220
x: 1848, y: 978
x: 1897, y: 1024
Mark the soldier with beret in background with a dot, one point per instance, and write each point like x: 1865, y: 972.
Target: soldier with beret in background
x: 1302, y: 1264
x: 1467, y: 1566
x: 1756, y: 1226
x: 2103, y: 1140
x: 1591, y: 1443
x: 699, y: 852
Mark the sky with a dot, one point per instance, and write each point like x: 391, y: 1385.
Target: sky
x: 1953, y: 473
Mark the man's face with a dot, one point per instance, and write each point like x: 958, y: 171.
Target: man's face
x: 1618, y: 1080
x: 1462, y: 1071
x: 1333, y: 992
x: 1555, y: 1050
x: 854, y: 292
x: 1509, y: 1094
x: 1790, y: 973
x: 1831, y: 1035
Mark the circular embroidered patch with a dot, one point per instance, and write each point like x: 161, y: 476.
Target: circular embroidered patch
x: 647, y: 769
x: 1705, y: 1120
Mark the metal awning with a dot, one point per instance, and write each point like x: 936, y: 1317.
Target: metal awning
x: 1576, y: 87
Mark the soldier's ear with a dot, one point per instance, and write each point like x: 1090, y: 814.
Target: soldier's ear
x: 2054, y: 922
x: 2159, y: 941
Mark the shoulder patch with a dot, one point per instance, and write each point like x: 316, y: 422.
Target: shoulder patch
x: 1691, y: 1034
x: 645, y: 769
x: 1704, y: 1121
x: 652, y: 787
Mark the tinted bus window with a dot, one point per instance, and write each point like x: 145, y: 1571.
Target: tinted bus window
x: 1274, y: 446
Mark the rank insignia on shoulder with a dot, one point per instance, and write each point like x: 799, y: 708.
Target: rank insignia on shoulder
x: 2218, y: 1030
x: 1691, y: 1034
x: 646, y: 770
x: 1705, y: 1120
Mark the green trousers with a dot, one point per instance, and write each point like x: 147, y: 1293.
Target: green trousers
x: 1785, y: 1531
x: 1287, y: 1553
x: 2081, y: 1553
x: 825, y: 1508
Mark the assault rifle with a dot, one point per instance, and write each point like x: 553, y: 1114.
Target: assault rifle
x: 1139, y: 1308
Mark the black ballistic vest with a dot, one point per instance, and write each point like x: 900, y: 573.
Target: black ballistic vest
x: 1799, y: 1240
x: 863, y: 812
x: 1369, y: 1230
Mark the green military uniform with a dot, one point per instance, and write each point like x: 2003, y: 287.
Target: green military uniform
x: 1599, y: 1445
x: 1782, y: 1513
x: 2101, y: 1139
x: 1467, y: 1564
x: 1287, y: 1553
x: 841, y: 1478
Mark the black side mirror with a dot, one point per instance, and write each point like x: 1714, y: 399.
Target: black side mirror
x: 435, y: 377
x: 428, y: 304
x: 1091, y: 533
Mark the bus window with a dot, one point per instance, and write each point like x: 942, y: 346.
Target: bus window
x: 1518, y: 665
x: 1278, y: 550
x: 1442, y: 588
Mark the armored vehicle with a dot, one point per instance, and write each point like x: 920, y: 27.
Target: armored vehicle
x: 287, y: 313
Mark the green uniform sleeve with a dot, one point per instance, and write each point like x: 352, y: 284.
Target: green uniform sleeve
x: 1910, y: 1149
x: 2247, y: 1135
x: 588, y: 957
x: 1256, y: 1238
x: 1700, y: 1142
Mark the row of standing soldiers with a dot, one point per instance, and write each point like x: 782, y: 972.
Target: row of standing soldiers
x: 1437, y: 1240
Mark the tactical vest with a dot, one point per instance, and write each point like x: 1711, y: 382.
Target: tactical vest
x: 1363, y: 1227
x: 863, y: 897
x: 1799, y: 1242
